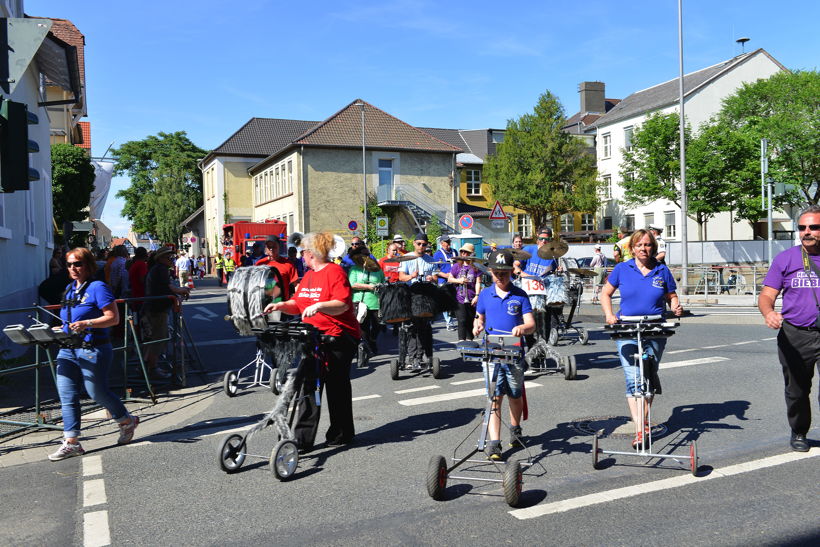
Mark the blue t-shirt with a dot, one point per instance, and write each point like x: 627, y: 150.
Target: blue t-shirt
x: 443, y: 256
x: 502, y: 314
x: 641, y: 294
x: 536, y: 265
x: 89, y: 301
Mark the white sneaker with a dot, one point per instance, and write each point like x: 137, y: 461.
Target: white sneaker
x: 67, y: 450
x: 127, y: 430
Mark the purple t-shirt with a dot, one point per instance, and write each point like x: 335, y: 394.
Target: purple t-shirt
x: 466, y: 292
x: 786, y: 274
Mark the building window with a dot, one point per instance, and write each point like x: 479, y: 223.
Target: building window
x: 385, y: 172
x: 290, y: 177
x: 473, y: 182
x: 606, y: 191
x: 587, y: 221
x: 669, y: 222
x: 607, y: 223
x: 629, y: 222
x: 256, y: 196
x: 524, y: 224
x: 628, y: 138
x: 648, y: 219
x: 567, y: 223
x: 606, y: 141
x: 497, y: 136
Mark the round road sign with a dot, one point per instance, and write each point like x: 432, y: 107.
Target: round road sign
x: 466, y: 222
x: 352, y: 225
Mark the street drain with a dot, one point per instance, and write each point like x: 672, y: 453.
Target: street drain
x: 614, y: 427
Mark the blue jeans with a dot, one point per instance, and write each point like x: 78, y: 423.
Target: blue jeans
x: 626, y: 351
x: 88, y: 367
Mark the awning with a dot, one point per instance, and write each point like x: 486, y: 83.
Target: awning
x: 57, y: 60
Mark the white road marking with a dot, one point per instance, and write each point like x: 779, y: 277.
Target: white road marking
x: 713, y: 347
x: 95, y: 529
x: 690, y: 362
x: 364, y: 397
x: 743, y: 343
x: 223, y: 342
x: 664, y: 484
x: 92, y: 465
x: 93, y: 492
x: 208, y: 313
x: 679, y: 351
x: 453, y: 396
x: 768, y: 339
x: 462, y: 382
x: 414, y: 389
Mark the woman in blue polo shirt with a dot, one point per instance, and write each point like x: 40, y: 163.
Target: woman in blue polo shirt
x: 88, y: 310
x: 645, y: 286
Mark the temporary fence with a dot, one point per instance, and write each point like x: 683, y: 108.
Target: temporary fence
x: 181, y: 355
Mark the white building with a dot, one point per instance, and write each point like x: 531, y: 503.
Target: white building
x: 704, y: 91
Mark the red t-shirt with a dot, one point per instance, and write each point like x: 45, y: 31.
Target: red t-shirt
x: 136, y: 277
x: 286, y: 270
x: 390, y: 269
x: 329, y: 283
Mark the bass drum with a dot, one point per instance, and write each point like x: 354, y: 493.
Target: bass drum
x: 537, y: 301
x: 394, y: 302
x: 250, y: 290
x: 557, y: 291
x: 423, y: 299
x: 446, y: 300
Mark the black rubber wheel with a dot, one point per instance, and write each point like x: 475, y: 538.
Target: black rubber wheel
x: 583, y: 336
x: 595, y: 451
x: 570, y: 369
x: 231, y: 453
x: 278, y: 377
x: 283, y: 459
x: 394, y: 369
x: 693, y: 458
x: 230, y: 383
x: 513, y: 481
x: 436, y: 366
x: 274, y: 385
x: 552, y: 339
x: 362, y: 356
x: 437, y: 477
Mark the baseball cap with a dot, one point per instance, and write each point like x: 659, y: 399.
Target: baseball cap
x: 421, y: 236
x: 500, y: 260
x: 445, y: 237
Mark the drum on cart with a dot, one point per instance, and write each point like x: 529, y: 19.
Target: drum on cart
x: 536, y: 291
x: 423, y: 296
x: 394, y: 302
x: 251, y: 289
x: 557, y: 293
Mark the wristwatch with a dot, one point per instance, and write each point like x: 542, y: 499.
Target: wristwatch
x: 88, y: 323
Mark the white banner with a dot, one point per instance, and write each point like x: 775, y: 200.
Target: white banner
x: 102, y: 183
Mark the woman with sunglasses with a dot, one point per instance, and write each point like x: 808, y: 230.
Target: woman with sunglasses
x: 467, y: 279
x: 88, y: 311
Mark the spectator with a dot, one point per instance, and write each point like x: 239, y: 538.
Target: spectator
x: 115, y: 273
x: 230, y: 267
x: 445, y: 253
x: 136, y: 275
x: 598, y: 264
x: 285, y: 268
x: 297, y: 262
x: 56, y: 263
x: 621, y: 250
x: 401, y: 247
x: 219, y: 267
x: 467, y: 279
x: 363, y: 276
x: 183, y: 266
x: 661, y: 256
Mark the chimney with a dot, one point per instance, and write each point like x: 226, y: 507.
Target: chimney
x: 592, y: 97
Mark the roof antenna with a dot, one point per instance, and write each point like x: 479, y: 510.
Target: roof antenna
x: 742, y: 42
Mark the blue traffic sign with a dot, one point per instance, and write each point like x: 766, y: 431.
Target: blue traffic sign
x: 466, y: 222
x: 352, y: 225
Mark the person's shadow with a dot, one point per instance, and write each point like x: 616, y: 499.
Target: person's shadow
x: 697, y: 419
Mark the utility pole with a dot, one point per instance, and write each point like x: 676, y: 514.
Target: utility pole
x: 766, y: 192
x: 360, y: 104
x: 684, y: 234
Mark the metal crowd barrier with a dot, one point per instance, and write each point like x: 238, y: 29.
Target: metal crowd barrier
x: 182, y: 355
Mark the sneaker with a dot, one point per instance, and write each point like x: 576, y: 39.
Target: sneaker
x: 415, y: 366
x: 127, y: 430
x: 494, y: 451
x: 67, y: 450
x: 515, y: 437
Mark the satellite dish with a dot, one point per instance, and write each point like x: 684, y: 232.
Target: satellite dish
x: 339, y: 247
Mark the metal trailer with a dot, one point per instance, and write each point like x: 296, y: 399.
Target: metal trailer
x: 433, y: 366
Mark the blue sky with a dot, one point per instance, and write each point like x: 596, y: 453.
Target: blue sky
x: 207, y: 66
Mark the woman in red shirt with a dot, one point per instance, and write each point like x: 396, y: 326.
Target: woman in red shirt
x: 324, y: 299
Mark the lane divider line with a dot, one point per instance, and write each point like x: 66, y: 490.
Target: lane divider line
x: 95, y: 529
x: 94, y: 492
x: 452, y: 396
x: 413, y: 389
x: 656, y: 486
x: 690, y: 362
x: 462, y: 382
x: 92, y: 465
x: 364, y: 397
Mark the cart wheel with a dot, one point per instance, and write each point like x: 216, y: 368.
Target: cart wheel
x: 230, y: 383
x: 693, y: 458
x: 553, y: 337
x: 513, y: 480
x: 394, y: 369
x: 278, y: 377
x: 437, y: 477
x: 595, y: 451
x: 362, y: 360
x: 283, y: 459
x: 436, y: 366
x: 570, y: 369
x: 231, y: 453
x: 583, y: 336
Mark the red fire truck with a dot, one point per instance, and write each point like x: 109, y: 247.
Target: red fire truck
x: 239, y: 237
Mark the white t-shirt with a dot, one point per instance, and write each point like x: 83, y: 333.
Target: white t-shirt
x: 182, y: 264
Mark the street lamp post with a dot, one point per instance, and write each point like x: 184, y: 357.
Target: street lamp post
x: 360, y: 104
x: 683, y: 205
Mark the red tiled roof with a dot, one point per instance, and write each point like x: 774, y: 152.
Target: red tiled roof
x: 85, y: 128
x: 119, y: 241
x: 382, y: 131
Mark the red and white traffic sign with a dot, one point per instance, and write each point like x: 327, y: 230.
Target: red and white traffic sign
x: 465, y: 222
x: 497, y: 213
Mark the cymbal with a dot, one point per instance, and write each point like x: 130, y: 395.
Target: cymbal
x: 404, y: 258
x: 583, y: 272
x: 520, y: 254
x: 553, y: 249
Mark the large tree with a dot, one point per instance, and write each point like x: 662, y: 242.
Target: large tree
x: 542, y: 169
x: 785, y: 109
x: 72, y: 181
x: 166, y: 184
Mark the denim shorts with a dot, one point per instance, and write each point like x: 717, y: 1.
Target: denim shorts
x: 510, y: 380
x: 626, y: 352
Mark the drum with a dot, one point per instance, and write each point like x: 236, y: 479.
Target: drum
x: 536, y: 291
x: 251, y: 289
x: 445, y: 299
x: 423, y: 295
x: 557, y: 292
x: 394, y: 302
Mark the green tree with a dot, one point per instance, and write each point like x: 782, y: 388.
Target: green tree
x: 72, y: 181
x: 785, y: 109
x: 166, y: 184
x: 541, y: 169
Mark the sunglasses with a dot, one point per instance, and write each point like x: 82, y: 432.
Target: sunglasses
x: 812, y: 227
x: 357, y: 244
x: 74, y: 264
x: 543, y: 239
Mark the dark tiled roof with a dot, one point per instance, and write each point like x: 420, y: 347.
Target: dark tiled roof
x: 479, y: 142
x: 382, y: 131
x: 262, y: 137
x: 70, y: 34
x: 666, y: 93
x: 578, y: 121
x: 450, y: 136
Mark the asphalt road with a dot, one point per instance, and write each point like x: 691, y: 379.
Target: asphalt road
x: 722, y: 388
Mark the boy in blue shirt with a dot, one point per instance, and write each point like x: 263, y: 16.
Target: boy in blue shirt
x: 504, y: 309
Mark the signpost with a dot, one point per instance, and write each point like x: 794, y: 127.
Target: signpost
x: 382, y: 227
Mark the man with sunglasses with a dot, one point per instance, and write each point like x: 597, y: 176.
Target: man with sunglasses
x: 796, y: 274
x: 355, y: 244
x: 420, y: 334
x: 540, y: 268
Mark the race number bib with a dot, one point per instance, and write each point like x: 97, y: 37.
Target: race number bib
x: 533, y: 286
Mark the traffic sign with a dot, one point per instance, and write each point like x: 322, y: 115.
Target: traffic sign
x: 498, y: 212
x: 382, y: 226
x: 466, y: 222
x: 352, y: 225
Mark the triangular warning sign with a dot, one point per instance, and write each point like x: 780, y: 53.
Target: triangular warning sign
x: 497, y: 213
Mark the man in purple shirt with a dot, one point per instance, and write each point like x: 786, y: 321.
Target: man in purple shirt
x: 796, y: 273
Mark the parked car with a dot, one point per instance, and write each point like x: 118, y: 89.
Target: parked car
x: 584, y: 262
